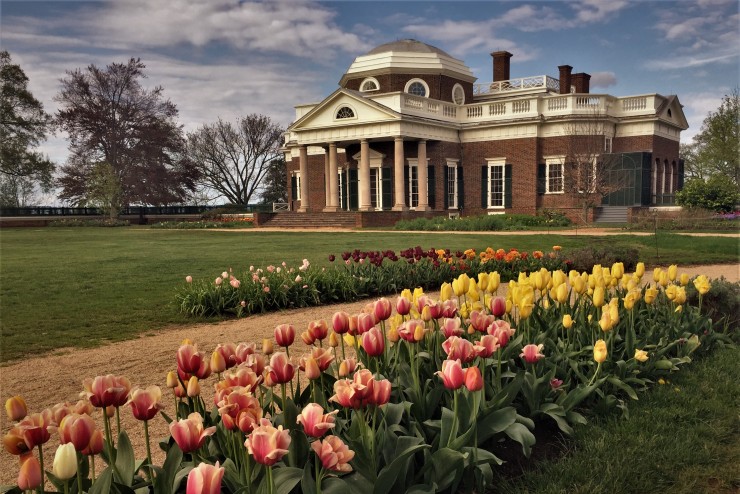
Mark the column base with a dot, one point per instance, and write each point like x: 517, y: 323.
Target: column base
x: 423, y: 208
x: 330, y: 209
x: 401, y: 207
x: 365, y: 209
x: 302, y: 209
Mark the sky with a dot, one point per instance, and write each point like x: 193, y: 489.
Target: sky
x: 229, y: 58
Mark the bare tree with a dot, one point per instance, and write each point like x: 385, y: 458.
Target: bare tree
x: 234, y: 159
x: 590, y: 171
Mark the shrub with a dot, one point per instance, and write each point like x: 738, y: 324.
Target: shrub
x: 716, y: 194
x: 721, y: 303
x: 79, y: 222
x: 686, y: 219
x: 584, y: 259
x: 499, y: 222
x: 205, y: 224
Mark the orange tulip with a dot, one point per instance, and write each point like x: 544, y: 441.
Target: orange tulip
x: 334, y: 454
x: 29, y: 476
x: 240, y: 410
x: 16, y: 408
x: 473, y: 379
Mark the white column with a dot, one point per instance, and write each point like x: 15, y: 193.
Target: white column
x: 421, y: 173
x: 654, y: 188
x: 662, y: 178
x: 365, y: 203
x: 398, y: 162
x: 326, y: 178
x: 303, y: 160
x: 333, y: 179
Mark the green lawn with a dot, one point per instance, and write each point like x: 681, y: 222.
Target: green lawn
x: 681, y: 437
x: 83, y: 286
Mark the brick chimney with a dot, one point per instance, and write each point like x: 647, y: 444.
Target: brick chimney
x: 501, y: 65
x: 565, y: 78
x: 582, y: 82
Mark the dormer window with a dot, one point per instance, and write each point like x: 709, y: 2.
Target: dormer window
x: 369, y: 84
x: 417, y: 87
x: 345, y: 112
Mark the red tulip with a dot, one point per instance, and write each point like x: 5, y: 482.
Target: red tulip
x: 473, y: 379
x: 498, y: 306
x: 373, y: 342
x: 108, y: 390
x: 284, y: 335
x: 315, y: 423
x: 532, y: 353
x: 403, y: 306
x: 76, y: 429
x: 267, y: 444
x: 365, y: 321
x: 35, y: 429
x: 449, y: 308
x: 458, y: 348
x: 96, y: 444
x: 16, y: 408
x: 29, y: 476
x: 205, y: 479
x: 382, y: 309
x: 318, y: 329
x: 452, y: 374
x: 146, y: 403
x: 192, y: 362
x: 280, y: 369
x: 334, y: 454
x: 189, y: 433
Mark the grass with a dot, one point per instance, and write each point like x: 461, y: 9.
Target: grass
x: 80, y: 287
x: 681, y: 437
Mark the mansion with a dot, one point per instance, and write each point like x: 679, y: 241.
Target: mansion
x: 410, y: 131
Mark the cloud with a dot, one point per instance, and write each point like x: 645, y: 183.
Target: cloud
x: 696, y: 108
x: 688, y: 61
x: 598, y: 10
x: 603, y: 79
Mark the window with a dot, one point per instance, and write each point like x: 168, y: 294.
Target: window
x: 451, y: 185
x: 607, y: 145
x: 458, y: 95
x: 417, y: 87
x: 295, y: 182
x: 413, y: 186
x: 369, y: 84
x: 340, y: 187
x: 496, y: 184
x: 554, y: 178
x: 345, y: 112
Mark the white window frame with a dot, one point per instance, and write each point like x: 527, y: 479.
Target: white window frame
x: 558, y: 162
x: 452, y: 184
x: 340, y: 186
x: 423, y: 83
x: 607, y: 145
x: 497, y: 164
x: 462, y: 90
x: 344, y: 105
x: 297, y: 176
x: 369, y: 79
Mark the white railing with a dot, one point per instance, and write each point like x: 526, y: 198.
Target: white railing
x: 520, y: 106
x: 541, y: 82
x: 634, y: 104
x: 556, y: 104
x: 280, y: 206
x: 495, y: 109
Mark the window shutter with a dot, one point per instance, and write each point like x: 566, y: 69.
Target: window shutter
x: 352, y: 189
x: 541, y: 178
x: 293, y: 188
x: 507, y: 186
x: 484, y: 186
x: 387, y: 188
x: 431, y: 187
x: 406, y: 186
x: 445, y: 188
x: 460, y: 188
x: 680, y: 175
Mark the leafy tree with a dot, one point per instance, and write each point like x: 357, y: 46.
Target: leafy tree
x: 234, y: 159
x: 104, y: 189
x: 276, y: 182
x: 111, y: 118
x: 716, y: 148
x: 718, y: 194
x: 23, y: 126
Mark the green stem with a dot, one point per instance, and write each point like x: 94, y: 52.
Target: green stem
x: 148, y: 452
x: 454, y: 417
x: 317, y: 469
x: 118, y: 420
x: 282, y: 388
x: 41, y: 462
x: 92, y: 467
x: 498, y: 369
x: 248, y: 465
x: 66, y: 487
x: 270, y: 481
x: 598, y: 368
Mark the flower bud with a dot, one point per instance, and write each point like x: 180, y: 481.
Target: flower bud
x: 473, y: 379
x: 600, y: 352
x: 567, y: 321
x: 65, y: 462
x: 267, y: 347
x: 193, y: 387
x: 29, y: 476
x: 16, y: 408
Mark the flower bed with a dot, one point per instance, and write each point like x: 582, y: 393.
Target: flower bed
x: 419, y: 402
x: 234, y: 221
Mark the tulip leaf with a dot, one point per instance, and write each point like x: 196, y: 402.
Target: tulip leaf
x: 285, y: 478
x: 449, y: 465
x: 333, y: 485
x: 450, y: 426
x: 422, y: 488
x: 179, y: 476
x: 623, y: 386
x: 125, y: 461
x: 522, y: 435
x: 358, y: 483
x: 298, y: 450
x: 308, y: 483
x: 102, y: 484
x: 390, y: 473
x: 10, y: 489
x: 169, y: 470
x: 495, y: 422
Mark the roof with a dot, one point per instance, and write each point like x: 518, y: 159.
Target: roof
x: 407, y: 46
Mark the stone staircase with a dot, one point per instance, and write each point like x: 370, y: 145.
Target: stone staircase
x: 611, y: 214
x: 342, y: 219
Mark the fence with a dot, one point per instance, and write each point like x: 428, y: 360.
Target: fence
x: 130, y: 211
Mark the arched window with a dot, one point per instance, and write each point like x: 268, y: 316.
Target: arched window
x: 369, y: 84
x: 345, y: 112
x: 417, y: 87
x: 458, y: 95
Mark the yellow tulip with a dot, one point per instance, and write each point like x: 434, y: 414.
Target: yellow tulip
x: 614, y: 313
x: 597, y: 269
x: 650, y: 294
x: 545, y: 303
x: 333, y: 339
x: 445, y: 292
x: 600, y: 351
x: 406, y: 293
x: 419, y: 332
x: 562, y: 293
x: 460, y: 286
x: 349, y: 339
x: 680, y: 295
x: 579, y: 286
x: 670, y: 292
x: 618, y: 270
x: 702, y: 284
x: 537, y: 280
x: 65, y: 462
x: 393, y: 335
x: 473, y: 294
x: 640, y: 269
x: 509, y: 306
x: 672, y: 272
x: 483, y: 281
x: 567, y: 321
x: 494, y: 280
x: 641, y: 355
x: 598, y: 296
x: 426, y: 314
x: 664, y: 279
x: 606, y: 323
x: 418, y: 292
x: 656, y: 274
x: 684, y: 279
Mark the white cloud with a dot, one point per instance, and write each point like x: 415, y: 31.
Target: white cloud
x: 598, y: 10
x: 603, y: 79
x: 688, y: 61
x: 697, y: 106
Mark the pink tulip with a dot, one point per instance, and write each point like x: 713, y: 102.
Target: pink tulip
x: 365, y: 321
x: 323, y: 357
x: 340, y: 322
x: 34, y: 429
x: 240, y: 410
x: 373, y: 342
x: 205, y: 479
x: 192, y: 362
x: 244, y: 350
x: 218, y: 281
x: 146, y: 403
x: 267, y: 444
x: 451, y: 327
x: 498, y: 306
x: 347, y: 367
x: 449, y: 308
x: 16, y: 408
x: 108, y: 390
x: 188, y: 279
x: 189, y: 433
x: 473, y: 379
x: 318, y: 329
x: 29, y: 476
x: 555, y: 383
x: 403, y: 306
x: 315, y: 423
x: 452, y: 374
x: 485, y: 347
x: 382, y: 309
x: 310, y: 367
x: 280, y: 369
x: 532, y: 353
x: 480, y: 321
x: 76, y: 429
x: 381, y: 392
x: 284, y: 335
x: 334, y: 454
x: 502, y: 331
x: 240, y: 377
x: 96, y: 444
x: 458, y: 348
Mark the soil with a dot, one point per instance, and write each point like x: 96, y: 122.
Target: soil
x: 46, y: 380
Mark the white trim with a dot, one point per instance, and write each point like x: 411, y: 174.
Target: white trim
x: 462, y: 89
x: 496, y: 163
x: 422, y: 82
x: 557, y: 161
x: 344, y: 105
x: 452, y: 164
x: 297, y: 175
x: 369, y: 79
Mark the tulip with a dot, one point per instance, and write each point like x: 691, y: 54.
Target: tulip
x: 76, y: 429
x: 451, y: 327
x: 65, y: 462
x: 239, y: 410
x: 532, y: 353
x: 218, y: 362
x: 684, y: 279
x: 333, y: 339
x: 382, y: 309
x: 14, y: 442
x: 702, y: 285
x: 315, y: 423
x: 29, y: 476
x: 598, y: 297
x: 600, y: 352
x: 267, y: 444
x: 347, y: 367
x: 319, y: 329
x: 35, y: 429
x: 640, y: 355
x: 16, y: 408
x: 172, y: 381
x: 96, y: 444
x: 452, y: 374
x: 189, y: 433
x: 640, y: 269
x: 458, y: 348
x: 445, y: 293
x: 146, y: 403
x: 672, y: 272
x: 205, y: 479
x: 567, y: 321
x: 373, y: 342
x: 280, y: 369
x: 109, y: 390
x: 562, y: 293
x: 333, y: 454
x: 473, y: 379
x: 285, y: 335
x: 311, y: 368
x: 485, y: 347
x: 381, y: 392
x: 365, y: 321
x: 502, y: 331
x: 650, y: 294
x: 340, y: 322
x: 193, y: 387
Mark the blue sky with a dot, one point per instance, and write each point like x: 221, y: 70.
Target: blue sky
x: 226, y: 58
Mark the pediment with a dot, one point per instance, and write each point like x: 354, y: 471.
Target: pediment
x: 362, y: 111
x: 672, y: 112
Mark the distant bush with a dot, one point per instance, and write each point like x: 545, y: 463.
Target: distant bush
x: 584, y: 259
x: 687, y: 219
x: 205, y: 224
x: 502, y: 222
x: 77, y: 222
x: 716, y: 194
x: 721, y: 303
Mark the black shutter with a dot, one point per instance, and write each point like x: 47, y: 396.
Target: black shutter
x: 353, y: 189
x: 541, y: 178
x: 293, y: 188
x: 460, y: 188
x: 387, y: 190
x: 445, y: 189
x: 431, y: 187
x: 680, y: 175
x: 507, y: 186
x: 484, y: 186
x: 406, y: 186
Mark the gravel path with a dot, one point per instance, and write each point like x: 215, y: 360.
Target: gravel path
x: 46, y: 380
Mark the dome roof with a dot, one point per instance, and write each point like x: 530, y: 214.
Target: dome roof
x: 408, y: 46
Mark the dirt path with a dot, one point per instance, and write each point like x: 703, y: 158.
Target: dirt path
x: 46, y: 380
